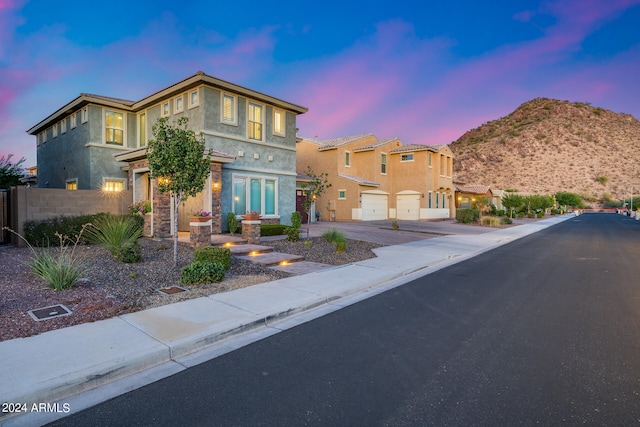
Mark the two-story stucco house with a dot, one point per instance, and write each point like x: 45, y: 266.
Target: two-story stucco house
x: 99, y: 143
x: 373, y: 179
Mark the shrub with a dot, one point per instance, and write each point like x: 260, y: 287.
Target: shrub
x: 554, y: 211
x: 202, y: 272
x: 296, y: 219
x: 129, y: 253
x: 117, y: 233
x: 214, y: 255
x: 530, y: 215
x: 540, y: 215
x: 491, y: 221
x: 43, y: 233
x: 272, y: 229
x: 520, y: 215
x: 467, y: 216
x: 505, y: 221
x: 333, y: 235
x: 293, y: 232
x: 501, y: 212
x: 232, y: 222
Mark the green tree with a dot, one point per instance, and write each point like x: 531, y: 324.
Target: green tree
x: 565, y: 198
x: 10, y: 173
x: 512, y: 201
x: 538, y: 202
x: 313, y: 189
x: 177, y: 158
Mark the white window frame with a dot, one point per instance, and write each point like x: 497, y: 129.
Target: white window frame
x: 124, y: 127
x: 71, y: 181
x: 44, y: 136
x: 347, y: 159
x: 407, y: 157
x: 178, y: 108
x: 55, y: 130
x: 342, y: 194
x: 443, y: 165
x: 84, y: 115
x: 263, y: 180
x: 191, y: 102
x: 106, y: 181
x: 233, y: 120
x: 384, y: 161
x: 74, y: 120
x: 63, y: 126
x: 165, y: 109
x: 142, y: 129
x: 261, y: 122
x: 281, y: 124
x: 430, y: 159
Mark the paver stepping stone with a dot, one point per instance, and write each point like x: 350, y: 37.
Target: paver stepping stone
x: 271, y: 258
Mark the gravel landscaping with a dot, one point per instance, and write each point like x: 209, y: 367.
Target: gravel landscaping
x: 110, y: 287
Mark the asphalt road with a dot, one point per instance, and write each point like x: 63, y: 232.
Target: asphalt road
x: 545, y: 330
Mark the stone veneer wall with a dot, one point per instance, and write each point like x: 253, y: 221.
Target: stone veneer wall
x: 216, y: 198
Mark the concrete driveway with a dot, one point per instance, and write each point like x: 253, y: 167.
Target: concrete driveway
x: 381, y: 232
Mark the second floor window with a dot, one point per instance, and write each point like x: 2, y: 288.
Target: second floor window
x: 347, y: 158
x: 383, y: 163
x: 278, y: 122
x: 114, y: 130
x: 229, y: 109
x: 255, y: 121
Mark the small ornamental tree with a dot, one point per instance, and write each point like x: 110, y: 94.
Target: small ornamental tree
x: 178, y: 160
x: 10, y: 173
x: 512, y: 202
x: 313, y: 190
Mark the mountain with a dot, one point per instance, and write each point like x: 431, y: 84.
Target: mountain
x: 546, y: 146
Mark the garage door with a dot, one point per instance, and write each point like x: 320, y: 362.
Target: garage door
x: 408, y: 206
x: 374, y: 207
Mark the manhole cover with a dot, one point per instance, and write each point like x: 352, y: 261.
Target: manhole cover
x: 172, y: 290
x: 47, y: 313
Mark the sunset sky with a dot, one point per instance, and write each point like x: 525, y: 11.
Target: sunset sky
x: 425, y: 72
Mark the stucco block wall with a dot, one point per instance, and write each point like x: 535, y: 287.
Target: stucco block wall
x: 44, y: 203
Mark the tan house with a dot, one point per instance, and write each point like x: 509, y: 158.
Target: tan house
x: 378, y: 179
x: 467, y: 195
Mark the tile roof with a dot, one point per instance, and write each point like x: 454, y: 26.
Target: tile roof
x: 475, y: 189
x: 359, y: 180
x: 328, y: 144
x: 376, y: 144
x: 412, y: 147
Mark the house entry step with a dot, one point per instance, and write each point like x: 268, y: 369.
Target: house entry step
x: 226, y: 240
x: 247, y: 249
x: 272, y: 258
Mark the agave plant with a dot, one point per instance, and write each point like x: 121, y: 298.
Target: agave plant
x: 118, y: 234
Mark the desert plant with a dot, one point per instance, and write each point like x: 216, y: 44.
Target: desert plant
x: 213, y: 254
x: 118, y: 234
x: 467, y: 216
x: 232, y: 222
x: 490, y: 221
x: 505, y: 221
x: 394, y: 225
x: 202, y: 272
x: 61, y: 270
x: 335, y: 236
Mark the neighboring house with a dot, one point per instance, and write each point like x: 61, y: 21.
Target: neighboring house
x: 30, y: 177
x: 497, y: 198
x: 375, y: 179
x: 96, y: 142
x: 467, y: 195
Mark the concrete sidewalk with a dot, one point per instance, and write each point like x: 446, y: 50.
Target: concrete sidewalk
x: 147, y: 345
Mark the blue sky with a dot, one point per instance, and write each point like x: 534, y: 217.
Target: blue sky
x: 424, y: 73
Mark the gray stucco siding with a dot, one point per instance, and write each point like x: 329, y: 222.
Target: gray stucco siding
x: 102, y: 166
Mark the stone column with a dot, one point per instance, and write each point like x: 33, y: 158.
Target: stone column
x: 251, y: 231
x: 200, y: 232
x: 146, y: 231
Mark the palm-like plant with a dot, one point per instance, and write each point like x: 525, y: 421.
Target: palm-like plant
x: 117, y: 234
